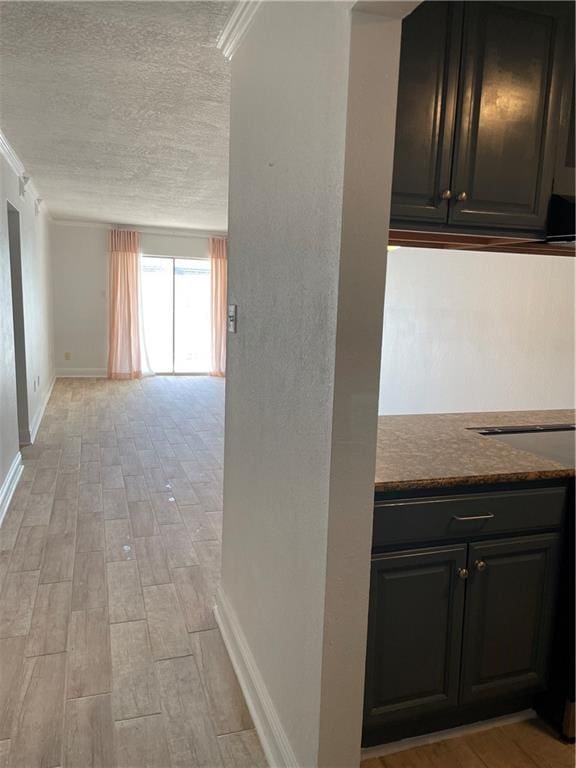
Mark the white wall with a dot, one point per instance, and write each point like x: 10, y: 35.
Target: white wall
x: 306, y: 271
x: 36, y: 280
x: 80, y: 290
x: 470, y: 331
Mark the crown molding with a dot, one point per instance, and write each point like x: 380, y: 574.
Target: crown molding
x: 26, y: 183
x: 162, y: 231
x: 10, y: 156
x: 236, y: 27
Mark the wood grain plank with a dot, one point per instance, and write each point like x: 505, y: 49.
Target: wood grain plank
x: 17, y: 603
x: 38, y: 509
x: 168, y: 635
x: 165, y: 508
x: 119, y: 541
x: 44, y: 481
x: 497, y: 751
x: 89, y: 582
x: 198, y: 523
x: 37, y: 736
x: 4, y: 753
x: 142, y: 519
x: 410, y: 758
x: 179, y: 549
x: 227, y: 706
x: 29, y: 548
x: 63, y: 517
x: 89, y: 661
x: 90, y: 499
x: 11, y: 667
x: 191, y: 736
x: 115, y: 504
x: 242, y: 750
x: 196, y: 590
x: 533, y: 737
x: 142, y: 742
x: 134, y: 690
x: 152, y: 562
x: 58, y: 563
x: 112, y: 479
x: 90, y: 535
x: 89, y: 739
x: 49, y: 627
x: 124, y: 592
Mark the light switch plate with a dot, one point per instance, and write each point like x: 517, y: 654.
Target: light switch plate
x: 232, y: 311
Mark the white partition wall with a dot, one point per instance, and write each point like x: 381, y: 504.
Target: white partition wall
x: 312, y: 130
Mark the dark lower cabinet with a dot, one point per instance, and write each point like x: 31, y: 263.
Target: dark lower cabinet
x: 415, y: 633
x: 462, y: 631
x: 510, y: 600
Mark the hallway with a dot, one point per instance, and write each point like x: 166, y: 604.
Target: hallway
x: 109, y: 559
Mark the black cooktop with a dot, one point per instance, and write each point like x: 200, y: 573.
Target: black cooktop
x: 556, y: 442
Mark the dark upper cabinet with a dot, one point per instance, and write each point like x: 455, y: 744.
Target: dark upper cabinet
x: 478, y: 113
x: 510, y: 601
x: 429, y: 64
x: 414, y: 633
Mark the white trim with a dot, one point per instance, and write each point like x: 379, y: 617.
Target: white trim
x: 81, y: 373
x: 172, y: 232
x: 10, y: 156
x: 273, y: 738
x: 450, y: 733
x: 236, y: 27
x: 35, y: 423
x: 9, y: 485
x: 8, y: 153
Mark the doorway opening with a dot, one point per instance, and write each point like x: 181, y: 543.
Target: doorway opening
x: 177, y: 314
x: 14, y: 245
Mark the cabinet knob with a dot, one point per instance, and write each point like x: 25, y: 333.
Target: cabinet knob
x: 462, y: 197
x: 480, y: 565
x: 463, y: 573
x: 446, y: 195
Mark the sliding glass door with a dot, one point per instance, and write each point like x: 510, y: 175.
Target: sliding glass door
x: 176, y: 314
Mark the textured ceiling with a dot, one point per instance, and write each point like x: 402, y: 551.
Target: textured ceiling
x: 119, y: 110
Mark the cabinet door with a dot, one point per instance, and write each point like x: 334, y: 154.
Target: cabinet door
x: 414, y: 633
x: 509, y: 607
x: 429, y: 63
x: 507, y: 115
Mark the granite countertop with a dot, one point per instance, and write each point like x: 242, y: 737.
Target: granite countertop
x: 437, y: 450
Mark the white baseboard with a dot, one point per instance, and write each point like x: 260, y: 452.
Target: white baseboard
x: 9, y: 484
x: 35, y: 423
x: 81, y: 373
x: 273, y: 738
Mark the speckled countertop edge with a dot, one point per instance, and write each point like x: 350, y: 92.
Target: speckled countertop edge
x: 443, y: 450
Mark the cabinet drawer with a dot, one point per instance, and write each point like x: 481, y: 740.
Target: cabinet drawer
x: 466, y: 516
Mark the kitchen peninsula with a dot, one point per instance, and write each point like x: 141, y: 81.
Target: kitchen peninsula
x: 471, y: 599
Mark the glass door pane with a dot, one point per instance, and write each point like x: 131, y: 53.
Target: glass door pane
x: 158, y: 311
x: 192, y: 316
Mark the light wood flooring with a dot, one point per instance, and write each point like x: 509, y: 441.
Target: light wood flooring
x: 109, y: 558
x: 528, y: 744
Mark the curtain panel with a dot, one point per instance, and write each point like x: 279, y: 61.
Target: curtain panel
x: 219, y: 282
x: 124, y: 349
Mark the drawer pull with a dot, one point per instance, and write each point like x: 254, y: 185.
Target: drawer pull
x: 480, y: 565
x: 472, y: 517
x: 463, y: 573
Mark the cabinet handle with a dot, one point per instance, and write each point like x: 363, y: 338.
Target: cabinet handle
x: 480, y: 565
x: 446, y: 195
x: 462, y: 197
x: 473, y: 517
x: 463, y: 573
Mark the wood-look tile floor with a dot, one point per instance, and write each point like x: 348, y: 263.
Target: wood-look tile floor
x: 109, y: 558
x: 528, y: 744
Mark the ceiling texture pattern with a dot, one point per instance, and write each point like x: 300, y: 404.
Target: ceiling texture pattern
x: 120, y: 110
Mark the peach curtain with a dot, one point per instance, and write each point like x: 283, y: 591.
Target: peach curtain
x: 219, y: 280
x: 124, y: 352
